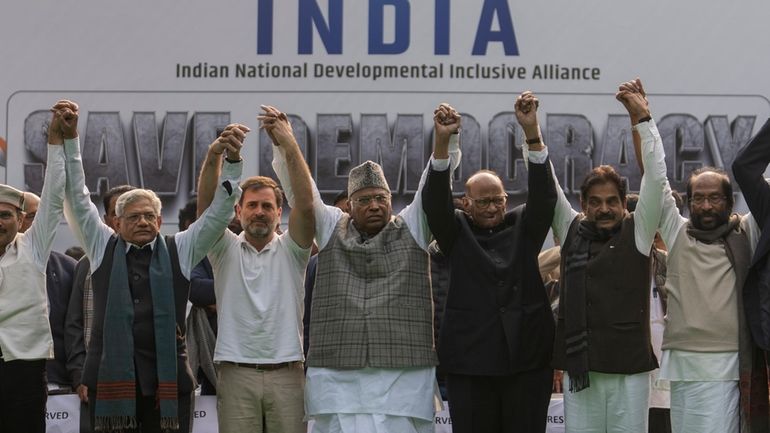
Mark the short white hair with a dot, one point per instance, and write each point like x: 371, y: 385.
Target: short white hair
x: 134, y: 195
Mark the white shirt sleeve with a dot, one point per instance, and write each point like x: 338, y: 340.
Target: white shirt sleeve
x: 81, y: 213
x: 42, y: 232
x: 649, y: 209
x: 299, y: 255
x: 670, y: 220
x: 326, y: 217
x: 413, y: 214
x: 415, y: 217
x: 563, y: 212
x: 537, y: 156
x: 193, y: 243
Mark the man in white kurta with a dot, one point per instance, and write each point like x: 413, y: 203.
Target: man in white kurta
x: 702, y: 332
x: 25, y: 334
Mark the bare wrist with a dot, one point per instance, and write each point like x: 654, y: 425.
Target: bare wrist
x: 532, y: 132
x: 638, y: 116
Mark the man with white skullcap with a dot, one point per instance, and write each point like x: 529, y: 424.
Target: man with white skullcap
x: 25, y: 335
x: 371, y: 363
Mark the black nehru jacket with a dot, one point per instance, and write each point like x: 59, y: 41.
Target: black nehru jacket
x: 618, y: 279
x: 497, y: 320
x: 138, y: 265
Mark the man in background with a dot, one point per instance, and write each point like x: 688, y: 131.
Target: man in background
x: 59, y: 274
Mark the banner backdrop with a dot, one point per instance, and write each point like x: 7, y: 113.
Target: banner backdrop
x: 360, y: 79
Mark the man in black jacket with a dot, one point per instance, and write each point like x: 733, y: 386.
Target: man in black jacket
x: 497, y: 331
x: 58, y: 278
x: 748, y: 168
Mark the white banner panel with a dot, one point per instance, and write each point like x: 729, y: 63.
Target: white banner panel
x: 205, y: 414
x: 362, y: 77
x: 62, y: 415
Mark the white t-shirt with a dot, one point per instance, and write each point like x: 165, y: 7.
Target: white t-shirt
x: 260, y: 299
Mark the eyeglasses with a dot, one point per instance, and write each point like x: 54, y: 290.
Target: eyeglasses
x: 367, y: 199
x: 7, y: 215
x: 483, y: 203
x: 135, y: 217
x: 714, y: 199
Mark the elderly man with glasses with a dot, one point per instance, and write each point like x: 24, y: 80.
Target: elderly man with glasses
x: 717, y: 374
x: 496, y: 335
x: 136, y: 375
x: 371, y: 363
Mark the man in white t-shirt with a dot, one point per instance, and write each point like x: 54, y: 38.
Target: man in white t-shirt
x: 259, y: 284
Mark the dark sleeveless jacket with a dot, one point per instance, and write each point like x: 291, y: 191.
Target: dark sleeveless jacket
x: 618, y: 284
x: 144, y: 331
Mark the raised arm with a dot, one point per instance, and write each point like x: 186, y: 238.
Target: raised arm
x: 325, y: 216
x: 301, y: 219
x: 748, y: 168
x: 526, y: 114
x: 413, y: 214
x: 228, y: 144
x: 541, y: 195
x: 80, y: 212
x: 194, y: 243
x: 650, y: 207
x: 648, y: 147
x: 437, y: 195
x: 42, y: 232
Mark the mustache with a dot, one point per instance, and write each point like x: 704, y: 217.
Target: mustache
x: 605, y: 216
x: 709, y: 212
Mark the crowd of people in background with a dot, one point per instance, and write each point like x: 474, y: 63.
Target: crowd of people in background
x: 363, y: 319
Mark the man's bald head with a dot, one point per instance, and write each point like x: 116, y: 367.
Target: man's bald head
x: 481, y: 179
x: 31, y: 203
x: 485, y: 199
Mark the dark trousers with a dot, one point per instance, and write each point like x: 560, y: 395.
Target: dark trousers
x: 500, y: 404
x: 148, y: 414
x: 85, y: 418
x: 207, y: 388
x: 23, y: 396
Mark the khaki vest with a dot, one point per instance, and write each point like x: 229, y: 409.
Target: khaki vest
x: 372, y: 304
x: 703, y: 311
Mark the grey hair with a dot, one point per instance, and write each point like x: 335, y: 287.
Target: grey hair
x: 134, y: 195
